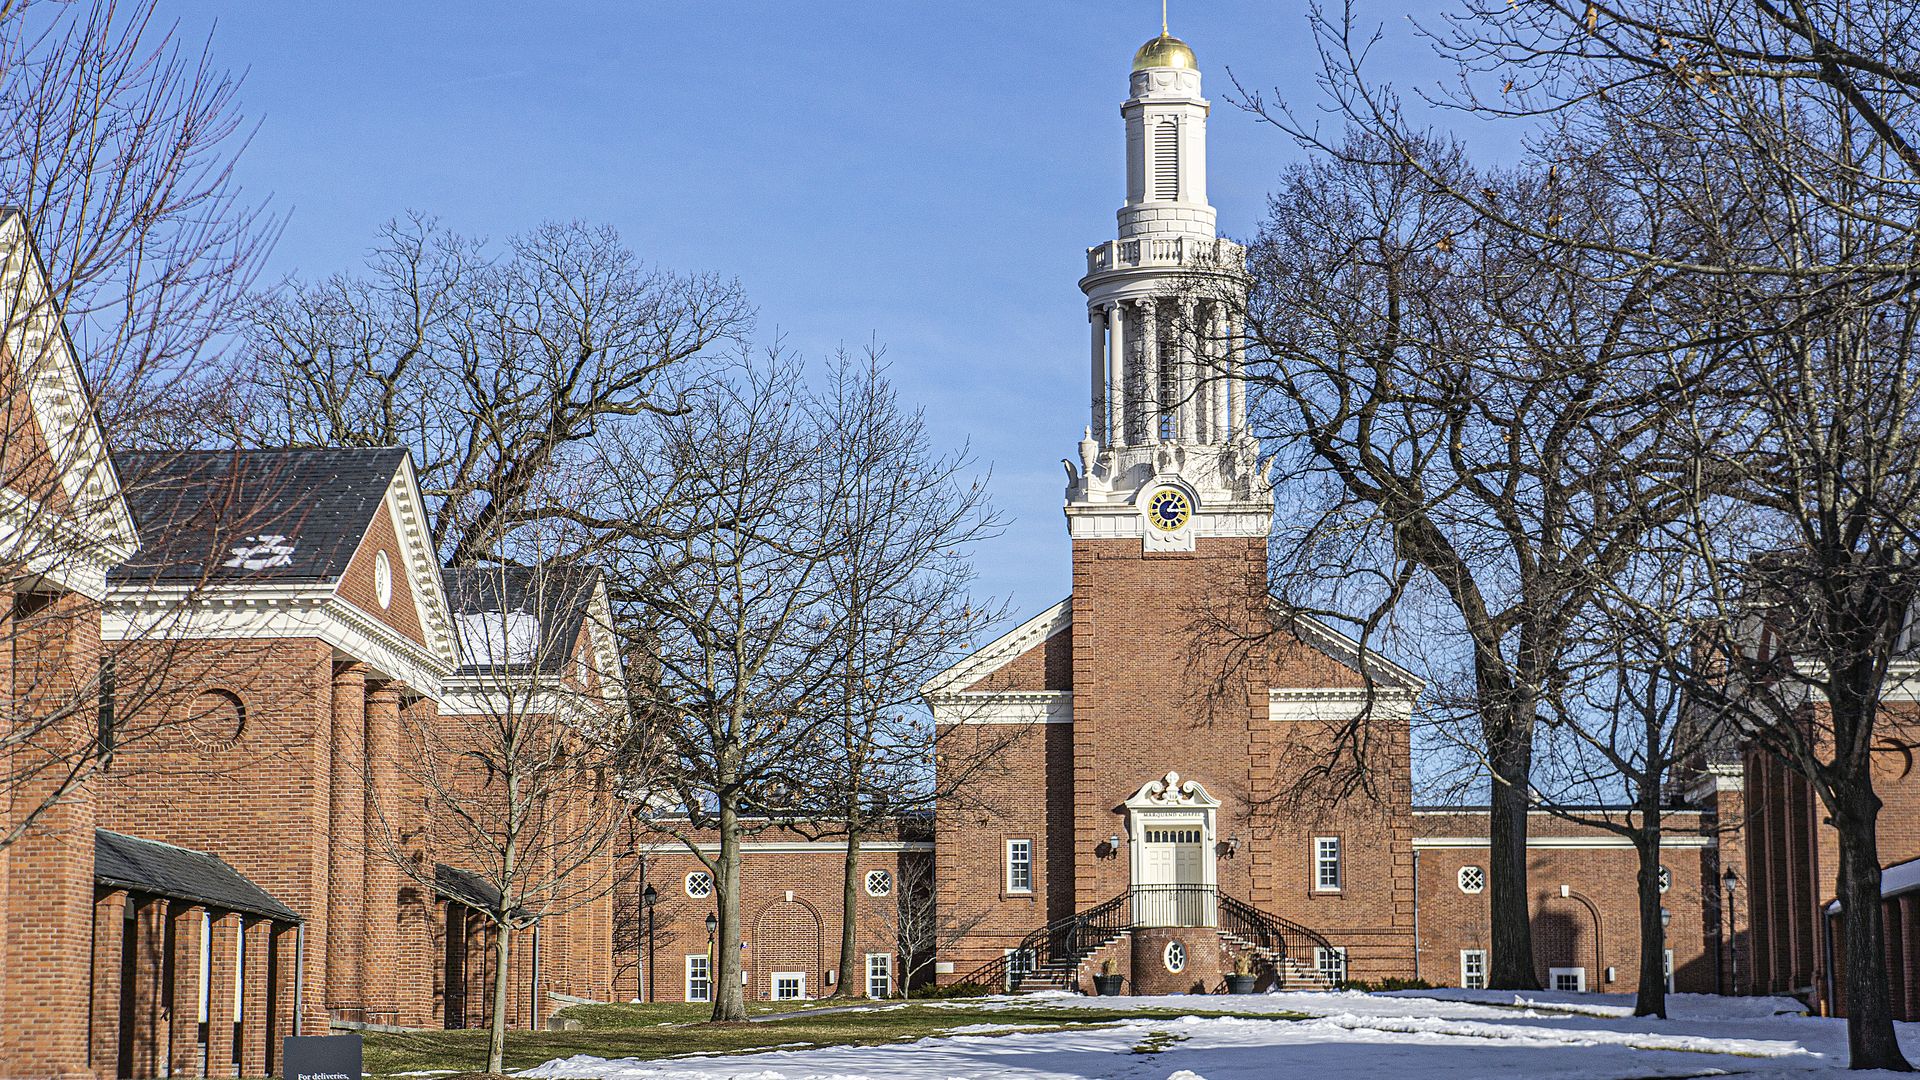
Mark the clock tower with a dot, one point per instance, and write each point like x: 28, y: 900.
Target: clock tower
x: 1166, y: 459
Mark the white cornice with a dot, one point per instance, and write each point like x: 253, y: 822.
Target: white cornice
x: 266, y: 612
x: 1004, y: 707
x: 790, y: 847
x: 1569, y: 843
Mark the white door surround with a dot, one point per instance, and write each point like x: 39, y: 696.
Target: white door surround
x: 1170, y: 824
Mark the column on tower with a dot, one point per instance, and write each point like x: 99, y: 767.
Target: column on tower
x: 1097, y: 321
x: 1150, y: 370
x: 1217, y: 361
x: 1236, y: 383
x: 1185, y: 428
x: 1118, y: 368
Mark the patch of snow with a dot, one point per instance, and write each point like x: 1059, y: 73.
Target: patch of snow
x: 261, y: 552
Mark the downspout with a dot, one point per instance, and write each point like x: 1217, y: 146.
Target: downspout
x: 1416, y: 914
x: 533, y: 1017
x: 299, y: 974
x: 1826, y: 937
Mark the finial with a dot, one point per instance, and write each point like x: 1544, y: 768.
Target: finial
x: 1163, y: 18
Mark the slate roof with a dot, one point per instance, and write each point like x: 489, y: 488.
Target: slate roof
x: 557, y: 595
x: 242, y: 517
x: 149, y: 866
x: 469, y: 888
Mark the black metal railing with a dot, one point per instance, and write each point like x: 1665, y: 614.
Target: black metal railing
x: 1056, y: 949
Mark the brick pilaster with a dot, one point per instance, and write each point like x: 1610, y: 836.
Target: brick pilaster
x: 346, y: 885
x: 380, y: 815
x: 254, y: 1032
x: 223, y: 961
x: 109, y: 941
x: 183, y: 999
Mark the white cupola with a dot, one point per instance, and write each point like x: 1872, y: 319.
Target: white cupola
x: 1166, y: 456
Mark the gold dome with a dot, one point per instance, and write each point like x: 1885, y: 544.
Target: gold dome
x: 1165, y: 51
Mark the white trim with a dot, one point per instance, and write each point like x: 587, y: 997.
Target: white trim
x: 888, y: 957
x: 1001, y: 651
x: 773, y: 985
x: 1339, y: 865
x: 686, y: 986
x: 1347, y: 651
x: 1004, y: 707
x: 1579, y: 973
x: 223, y: 612
x: 1572, y: 843
x: 1464, y: 983
x: 1006, y: 866
x: 787, y: 847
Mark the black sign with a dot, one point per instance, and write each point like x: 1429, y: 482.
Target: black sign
x: 321, y: 1057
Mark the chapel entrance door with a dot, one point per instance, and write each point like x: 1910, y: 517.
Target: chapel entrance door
x: 1172, y: 889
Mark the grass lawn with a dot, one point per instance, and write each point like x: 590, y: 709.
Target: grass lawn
x: 659, y: 1031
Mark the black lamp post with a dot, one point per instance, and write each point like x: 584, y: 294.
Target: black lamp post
x: 713, y: 974
x: 1731, y: 879
x: 649, y: 896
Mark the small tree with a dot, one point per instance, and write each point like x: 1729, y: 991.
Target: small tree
x: 919, y: 927
x: 520, y: 772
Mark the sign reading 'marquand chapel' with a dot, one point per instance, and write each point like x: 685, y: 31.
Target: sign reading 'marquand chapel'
x: 321, y: 1057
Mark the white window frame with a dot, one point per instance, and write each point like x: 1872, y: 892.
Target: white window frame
x: 1665, y: 878
x: 800, y: 981
x: 1667, y: 964
x: 687, y: 884
x: 1321, y: 954
x: 703, y: 980
x: 888, y: 874
x: 1025, y: 847
x: 1470, y: 959
x: 1579, y: 975
x: 1322, y: 845
x: 880, y: 974
x: 1479, y: 873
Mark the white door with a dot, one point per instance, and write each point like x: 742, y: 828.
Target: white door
x: 1171, y: 890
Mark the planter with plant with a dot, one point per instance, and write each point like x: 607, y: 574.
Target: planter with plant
x: 1107, y: 983
x: 1243, y: 978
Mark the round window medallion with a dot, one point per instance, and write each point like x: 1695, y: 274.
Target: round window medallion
x: 382, y: 579
x: 217, y: 720
x: 699, y: 884
x: 1472, y: 879
x: 1176, y: 957
x: 879, y: 883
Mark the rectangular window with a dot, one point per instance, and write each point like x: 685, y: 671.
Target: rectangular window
x: 1473, y: 969
x: 1019, y: 866
x: 1331, y: 963
x: 1326, y: 864
x: 789, y: 985
x: 879, y: 975
x: 1667, y: 964
x: 699, y: 978
x: 1568, y: 980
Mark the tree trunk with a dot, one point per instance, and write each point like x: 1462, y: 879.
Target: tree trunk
x: 1651, y: 999
x: 849, y: 914
x: 729, y: 998
x: 1870, y: 1037
x: 1511, y: 966
x: 497, y: 1033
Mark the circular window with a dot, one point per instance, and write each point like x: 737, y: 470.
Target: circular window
x: 382, y: 579
x: 1472, y: 879
x: 1666, y: 879
x: 217, y: 719
x: 1176, y: 957
x: 699, y: 884
x: 879, y: 883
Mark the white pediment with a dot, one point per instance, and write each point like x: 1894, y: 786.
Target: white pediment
x: 1172, y: 793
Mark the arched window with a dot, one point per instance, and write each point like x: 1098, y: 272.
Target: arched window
x: 1166, y: 160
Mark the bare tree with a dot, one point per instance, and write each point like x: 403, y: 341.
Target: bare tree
x: 734, y: 597
x: 1474, y: 412
x: 498, y: 369
x: 902, y: 531
x: 519, y: 812
x: 124, y: 243
x: 919, y: 927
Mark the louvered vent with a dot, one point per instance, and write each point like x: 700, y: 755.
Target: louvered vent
x: 1166, y: 162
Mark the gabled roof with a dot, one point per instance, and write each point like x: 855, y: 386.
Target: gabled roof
x: 149, y: 866
x: 54, y: 383
x: 1346, y: 650
x: 557, y: 600
x: 1002, y: 651
x: 243, y: 517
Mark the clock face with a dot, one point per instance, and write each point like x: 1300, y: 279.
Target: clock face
x: 1169, y: 509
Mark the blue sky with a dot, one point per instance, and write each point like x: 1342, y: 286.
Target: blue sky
x: 926, y: 175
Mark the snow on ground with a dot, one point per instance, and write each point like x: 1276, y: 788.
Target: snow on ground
x: 1428, y: 1035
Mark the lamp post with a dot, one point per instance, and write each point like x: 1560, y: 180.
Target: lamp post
x: 649, y: 896
x: 713, y: 975
x: 1731, y: 879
